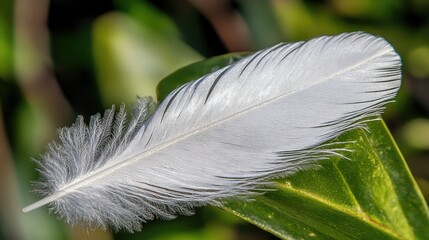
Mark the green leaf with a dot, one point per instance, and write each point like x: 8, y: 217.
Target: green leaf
x: 370, y: 196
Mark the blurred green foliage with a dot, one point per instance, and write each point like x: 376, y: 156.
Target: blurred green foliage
x: 106, y: 52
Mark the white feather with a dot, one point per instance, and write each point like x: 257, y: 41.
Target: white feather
x: 224, y: 135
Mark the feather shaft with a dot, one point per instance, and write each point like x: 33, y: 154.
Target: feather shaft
x: 42, y: 202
